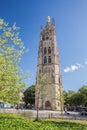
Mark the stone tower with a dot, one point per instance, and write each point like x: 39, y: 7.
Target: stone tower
x: 49, y: 65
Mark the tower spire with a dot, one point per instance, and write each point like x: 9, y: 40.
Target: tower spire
x: 48, y: 21
x: 53, y: 26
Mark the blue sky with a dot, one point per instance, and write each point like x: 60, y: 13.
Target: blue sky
x: 71, y: 30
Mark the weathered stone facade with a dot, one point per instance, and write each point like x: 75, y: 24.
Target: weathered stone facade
x: 49, y: 65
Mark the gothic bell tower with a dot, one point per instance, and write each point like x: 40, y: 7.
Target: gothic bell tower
x: 49, y: 64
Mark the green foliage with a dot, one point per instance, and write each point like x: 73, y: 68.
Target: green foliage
x: 76, y: 98
x: 29, y: 95
x: 83, y: 94
x: 43, y: 88
x: 68, y: 97
x: 11, y: 50
x: 14, y: 122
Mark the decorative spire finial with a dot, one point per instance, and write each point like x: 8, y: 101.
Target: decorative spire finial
x: 53, y: 22
x: 48, y: 19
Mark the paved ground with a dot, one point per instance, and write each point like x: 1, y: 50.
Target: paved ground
x: 45, y: 114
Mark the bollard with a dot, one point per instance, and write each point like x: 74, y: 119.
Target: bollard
x: 50, y: 116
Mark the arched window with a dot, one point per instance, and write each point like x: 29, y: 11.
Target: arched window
x: 49, y: 50
x: 43, y: 38
x: 45, y: 60
x: 45, y: 50
x: 49, y: 59
x: 47, y: 38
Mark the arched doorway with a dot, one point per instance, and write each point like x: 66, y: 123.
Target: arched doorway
x: 47, y: 105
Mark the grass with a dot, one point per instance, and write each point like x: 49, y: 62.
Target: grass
x: 16, y: 122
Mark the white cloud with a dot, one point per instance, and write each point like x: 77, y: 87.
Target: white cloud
x: 67, y: 69
x: 73, y: 68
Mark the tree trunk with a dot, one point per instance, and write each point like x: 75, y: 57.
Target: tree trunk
x: 37, y: 117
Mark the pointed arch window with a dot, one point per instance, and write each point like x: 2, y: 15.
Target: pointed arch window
x: 45, y: 50
x: 49, y: 50
x: 45, y: 60
x: 49, y: 59
x: 47, y: 38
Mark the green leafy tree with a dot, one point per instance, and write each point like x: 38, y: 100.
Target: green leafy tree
x: 78, y: 98
x: 42, y: 89
x: 65, y: 94
x: 60, y: 96
x: 11, y: 50
x: 83, y: 94
x: 29, y: 95
x: 68, y: 97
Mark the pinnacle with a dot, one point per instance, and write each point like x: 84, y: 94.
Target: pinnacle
x: 48, y: 19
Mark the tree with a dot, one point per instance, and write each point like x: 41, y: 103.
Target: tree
x: 11, y: 50
x: 68, y: 97
x: 41, y: 90
x: 65, y: 94
x: 83, y: 94
x: 78, y: 98
x: 61, y: 96
x: 29, y: 95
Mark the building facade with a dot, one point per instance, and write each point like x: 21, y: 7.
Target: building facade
x: 49, y: 65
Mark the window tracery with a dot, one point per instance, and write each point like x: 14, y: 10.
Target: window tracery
x: 45, y: 60
x: 45, y: 50
x: 49, y: 50
x: 49, y: 59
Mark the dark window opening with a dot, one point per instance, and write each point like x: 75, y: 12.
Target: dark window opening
x: 43, y: 38
x: 47, y: 38
x: 45, y: 50
x: 49, y: 50
x: 49, y: 59
x: 45, y: 60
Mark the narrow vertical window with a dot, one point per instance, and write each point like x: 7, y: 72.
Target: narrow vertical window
x: 49, y: 50
x: 45, y: 50
x: 49, y: 59
x: 47, y: 38
x: 45, y: 60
